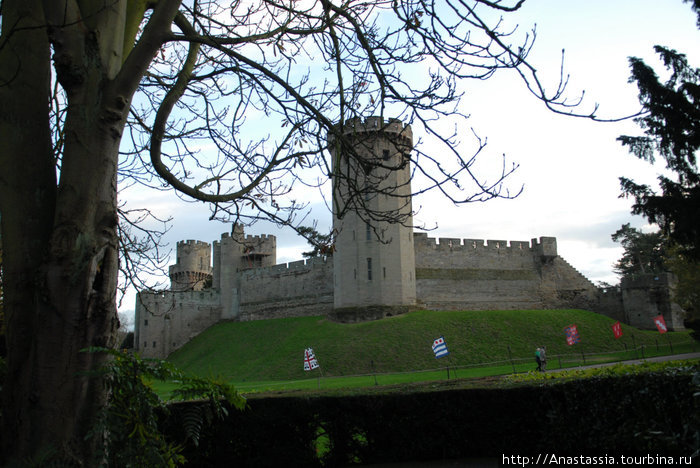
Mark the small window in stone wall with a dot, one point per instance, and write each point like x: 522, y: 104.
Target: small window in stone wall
x: 369, y: 269
x: 354, y: 273
x: 385, y: 155
x: 368, y: 232
x: 154, y: 344
x: 145, y: 322
x: 145, y: 344
x: 384, y: 271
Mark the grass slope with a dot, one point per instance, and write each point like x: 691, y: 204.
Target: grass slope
x: 273, y: 349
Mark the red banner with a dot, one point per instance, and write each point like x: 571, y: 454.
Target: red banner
x: 660, y: 324
x: 617, y: 330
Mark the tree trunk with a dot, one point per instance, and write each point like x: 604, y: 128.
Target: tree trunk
x: 60, y: 238
x: 60, y: 244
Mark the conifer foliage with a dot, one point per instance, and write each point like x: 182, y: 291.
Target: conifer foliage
x: 671, y: 124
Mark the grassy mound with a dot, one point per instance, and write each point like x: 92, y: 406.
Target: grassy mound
x: 273, y: 349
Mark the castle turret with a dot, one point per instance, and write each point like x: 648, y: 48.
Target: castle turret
x: 374, y: 260
x: 192, y: 270
x: 236, y: 252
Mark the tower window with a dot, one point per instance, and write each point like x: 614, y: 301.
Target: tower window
x: 354, y: 273
x: 154, y: 344
x: 385, y: 155
x: 369, y: 269
x: 384, y: 271
x: 368, y: 232
x: 145, y: 322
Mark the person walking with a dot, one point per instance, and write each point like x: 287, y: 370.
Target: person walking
x: 538, y: 359
x: 543, y: 358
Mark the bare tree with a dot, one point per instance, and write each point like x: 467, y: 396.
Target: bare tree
x: 227, y: 102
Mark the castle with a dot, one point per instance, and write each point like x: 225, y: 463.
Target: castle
x: 379, y: 268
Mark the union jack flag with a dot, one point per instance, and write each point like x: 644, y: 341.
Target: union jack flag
x: 571, y: 335
x: 310, y: 362
x: 440, y: 348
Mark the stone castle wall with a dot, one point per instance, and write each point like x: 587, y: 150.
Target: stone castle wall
x: 474, y: 274
x: 647, y: 296
x: 287, y: 290
x: 166, y: 320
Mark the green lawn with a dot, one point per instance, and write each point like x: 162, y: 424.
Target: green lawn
x: 268, y: 354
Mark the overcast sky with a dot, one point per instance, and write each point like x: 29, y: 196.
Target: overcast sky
x: 568, y: 167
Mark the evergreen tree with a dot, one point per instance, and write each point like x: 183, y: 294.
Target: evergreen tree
x: 644, y: 252
x: 671, y: 124
x: 322, y: 244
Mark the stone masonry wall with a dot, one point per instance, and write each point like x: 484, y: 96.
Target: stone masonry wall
x: 452, y: 273
x: 563, y: 286
x: 648, y: 296
x: 475, y: 274
x: 167, y: 320
x: 296, y: 289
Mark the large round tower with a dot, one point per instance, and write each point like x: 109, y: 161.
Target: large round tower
x: 374, y: 260
x: 192, y: 270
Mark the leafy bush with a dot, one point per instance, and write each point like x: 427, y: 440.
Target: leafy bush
x: 129, y: 424
x: 641, y: 412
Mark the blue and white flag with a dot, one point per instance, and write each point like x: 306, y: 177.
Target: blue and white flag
x: 440, y: 348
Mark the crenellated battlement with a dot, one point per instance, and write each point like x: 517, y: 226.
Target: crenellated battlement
x: 362, y: 127
x: 192, y: 243
x: 247, y: 239
x: 283, y: 268
x: 208, y: 296
x: 259, y: 238
x: 476, y: 245
x: 227, y: 235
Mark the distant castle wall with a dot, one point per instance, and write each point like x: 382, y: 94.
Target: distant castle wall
x: 645, y: 297
x: 450, y: 273
x: 474, y: 274
x: 296, y: 289
x: 166, y: 320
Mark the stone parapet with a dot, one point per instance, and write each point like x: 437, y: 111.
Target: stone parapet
x: 291, y: 267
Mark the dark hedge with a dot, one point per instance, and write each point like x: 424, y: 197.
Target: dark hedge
x: 627, y: 415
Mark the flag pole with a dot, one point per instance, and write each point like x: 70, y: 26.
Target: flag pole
x: 320, y: 374
x: 510, y: 355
